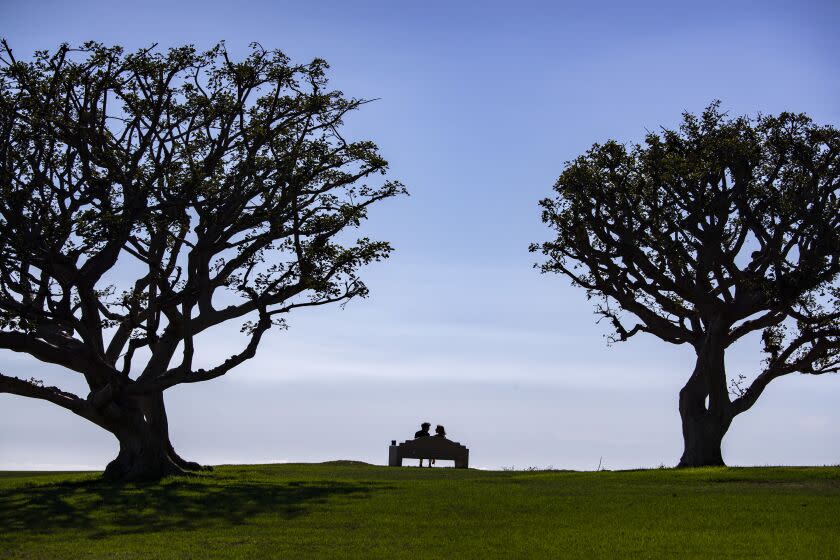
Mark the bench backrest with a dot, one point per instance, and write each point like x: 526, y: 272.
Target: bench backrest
x: 432, y: 448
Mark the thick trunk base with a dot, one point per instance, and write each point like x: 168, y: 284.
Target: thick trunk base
x: 146, y: 453
x: 702, y: 445
x: 141, y: 459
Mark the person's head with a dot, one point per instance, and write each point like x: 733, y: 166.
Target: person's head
x: 425, y: 426
x: 440, y: 431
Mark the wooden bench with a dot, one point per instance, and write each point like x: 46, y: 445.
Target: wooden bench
x: 428, y: 448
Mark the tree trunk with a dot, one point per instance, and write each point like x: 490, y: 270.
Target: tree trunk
x: 702, y: 431
x: 143, y: 456
x: 146, y: 453
x: 705, y: 408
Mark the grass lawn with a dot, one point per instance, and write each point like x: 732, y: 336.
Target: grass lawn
x: 362, y: 511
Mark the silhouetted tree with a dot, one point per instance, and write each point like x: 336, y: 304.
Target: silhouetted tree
x: 149, y: 197
x: 707, y: 234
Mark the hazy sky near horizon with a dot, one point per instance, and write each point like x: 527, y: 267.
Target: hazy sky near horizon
x: 478, y: 106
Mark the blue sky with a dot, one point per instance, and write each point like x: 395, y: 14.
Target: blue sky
x: 479, y: 105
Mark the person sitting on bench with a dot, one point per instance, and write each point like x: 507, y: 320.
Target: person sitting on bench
x: 439, y: 432
x: 423, y: 432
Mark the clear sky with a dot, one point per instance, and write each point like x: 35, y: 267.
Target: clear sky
x: 479, y: 105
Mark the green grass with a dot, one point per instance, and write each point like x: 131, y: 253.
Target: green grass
x: 361, y: 511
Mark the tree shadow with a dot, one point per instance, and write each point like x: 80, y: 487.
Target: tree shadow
x: 100, y: 509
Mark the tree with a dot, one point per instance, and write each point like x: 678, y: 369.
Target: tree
x: 706, y: 234
x: 149, y: 197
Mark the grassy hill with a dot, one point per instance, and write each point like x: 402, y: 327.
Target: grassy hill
x: 345, y: 510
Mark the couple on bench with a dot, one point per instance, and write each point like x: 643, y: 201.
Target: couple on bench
x: 428, y: 446
x: 424, y: 432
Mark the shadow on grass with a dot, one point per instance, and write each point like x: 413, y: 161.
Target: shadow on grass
x: 97, y: 509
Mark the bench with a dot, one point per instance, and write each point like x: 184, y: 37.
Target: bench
x: 428, y: 448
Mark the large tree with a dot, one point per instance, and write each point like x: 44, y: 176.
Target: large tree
x: 705, y: 234
x: 146, y: 198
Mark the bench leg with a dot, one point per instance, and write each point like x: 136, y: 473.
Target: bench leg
x: 394, y: 459
x: 463, y: 462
